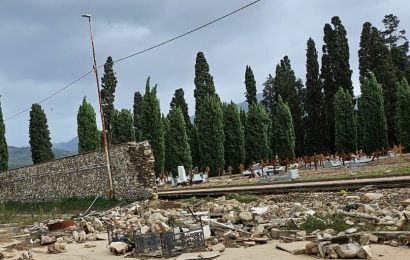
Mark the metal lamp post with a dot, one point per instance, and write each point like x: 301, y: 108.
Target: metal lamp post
x: 107, y: 157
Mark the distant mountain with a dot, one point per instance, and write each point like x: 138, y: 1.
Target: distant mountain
x: 244, y: 104
x: 21, y: 156
x: 71, y: 146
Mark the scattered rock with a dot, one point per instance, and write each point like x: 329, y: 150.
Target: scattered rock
x: 370, y: 196
x: 56, y: 248
x: 364, y: 252
x: 348, y: 250
x: 246, y: 216
x: 46, y: 240
x: 218, y: 247
x: 394, y: 243
x: 118, y: 248
x: 351, y: 230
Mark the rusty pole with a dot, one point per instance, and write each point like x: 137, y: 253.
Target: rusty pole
x: 95, y: 68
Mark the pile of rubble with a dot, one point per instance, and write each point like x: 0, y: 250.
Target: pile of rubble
x: 329, y: 225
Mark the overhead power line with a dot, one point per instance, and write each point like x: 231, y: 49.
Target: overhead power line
x: 137, y: 53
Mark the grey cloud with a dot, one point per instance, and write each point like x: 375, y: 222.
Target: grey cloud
x: 45, y: 44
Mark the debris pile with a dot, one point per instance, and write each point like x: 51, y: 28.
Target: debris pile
x: 328, y: 225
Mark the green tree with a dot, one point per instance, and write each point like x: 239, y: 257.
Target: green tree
x: 123, y: 127
x: 234, y: 145
x: 283, y: 131
x: 291, y: 90
x: 137, y: 107
x: 373, y: 118
x: 374, y: 57
x: 165, y: 129
x: 210, y: 125
x: 40, y: 142
x: 204, y: 82
x: 194, y: 145
x: 151, y: 126
x: 108, y: 86
x: 242, y: 116
x: 250, y: 84
x: 314, y: 104
x: 179, y: 101
x: 4, y: 156
x: 87, y: 131
x: 403, y: 114
x: 178, y: 147
x: 335, y: 71
x: 345, y: 125
x: 256, y: 134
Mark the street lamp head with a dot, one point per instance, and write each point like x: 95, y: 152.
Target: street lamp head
x: 86, y: 16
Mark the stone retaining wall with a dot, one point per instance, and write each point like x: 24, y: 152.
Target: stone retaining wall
x: 132, y: 169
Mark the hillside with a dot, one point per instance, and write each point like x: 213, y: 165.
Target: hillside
x: 21, y: 156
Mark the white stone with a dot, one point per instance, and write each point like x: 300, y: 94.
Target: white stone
x: 348, y: 250
x: 218, y: 247
x: 370, y: 196
x: 364, y: 252
x: 118, y: 248
x: 246, y: 216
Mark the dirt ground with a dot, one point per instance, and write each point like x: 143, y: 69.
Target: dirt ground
x: 268, y: 251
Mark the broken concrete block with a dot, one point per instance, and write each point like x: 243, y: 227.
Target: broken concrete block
x: 296, y: 248
x: 118, y: 248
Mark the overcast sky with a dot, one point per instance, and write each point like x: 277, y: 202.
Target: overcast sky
x: 45, y: 45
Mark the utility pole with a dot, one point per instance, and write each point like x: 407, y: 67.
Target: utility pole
x: 104, y: 132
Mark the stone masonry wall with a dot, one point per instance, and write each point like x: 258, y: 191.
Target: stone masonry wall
x: 132, y: 169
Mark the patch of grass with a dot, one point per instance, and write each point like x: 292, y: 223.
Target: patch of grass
x: 194, y: 200
x: 28, y: 213
x: 244, y: 198
x: 335, y: 222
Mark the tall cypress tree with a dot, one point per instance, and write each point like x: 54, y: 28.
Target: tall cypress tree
x: 179, y: 101
x: 256, y: 134
x: 284, y: 131
x: 315, y: 121
x: 398, y: 45
x: 151, y: 126
x: 87, y: 131
x: 204, y: 82
x: 210, y: 125
x: 234, y: 145
x: 374, y: 57
x: 108, y: 86
x: 345, y: 125
x: 291, y: 90
x: 165, y: 129
x: 178, y: 148
x: 137, y: 107
x: 194, y: 145
x: 373, y: 118
x: 123, y: 127
x: 403, y: 114
x: 250, y: 84
x: 4, y: 156
x: 335, y: 71
x: 242, y: 116
x: 40, y: 142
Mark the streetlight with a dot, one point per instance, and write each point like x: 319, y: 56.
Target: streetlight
x: 95, y: 68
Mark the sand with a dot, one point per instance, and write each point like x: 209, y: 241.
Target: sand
x: 267, y: 251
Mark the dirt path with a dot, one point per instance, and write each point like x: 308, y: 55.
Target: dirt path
x: 268, y: 251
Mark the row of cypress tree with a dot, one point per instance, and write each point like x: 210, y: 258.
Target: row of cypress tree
x: 291, y: 120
